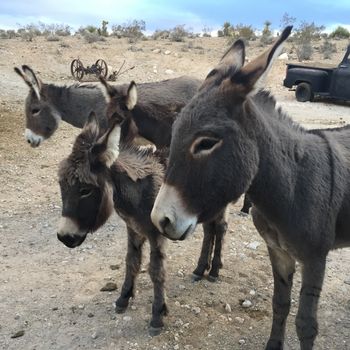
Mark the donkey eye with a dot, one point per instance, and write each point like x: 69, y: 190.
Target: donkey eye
x: 117, y: 118
x: 85, y: 192
x: 205, y: 145
x: 35, y: 111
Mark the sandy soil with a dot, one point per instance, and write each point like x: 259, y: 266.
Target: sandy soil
x: 52, y: 294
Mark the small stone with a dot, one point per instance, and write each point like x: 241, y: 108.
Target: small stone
x: 156, y: 51
x: 133, y: 307
x: 247, y: 303
x: 239, y: 319
x: 177, y: 303
x: 241, y: 342
x: 347, y: 281
x: 18, y: 334
x: 252, y: 292
x: 109, y: 287
x: 127, y: 318
x: 176, y: 347
x: 180, y: 273
x: 17, y: 317
x: 253, y: 245
x: 169, y: 71
x: 55, y: 308
x: 167, y: 52
x: 114, y: 267
x: 181, y: 286
x: 94, y: 335
x: 90, y: 314
x: 196, y: 310
x: 228, y: 308
x: 81, y: 306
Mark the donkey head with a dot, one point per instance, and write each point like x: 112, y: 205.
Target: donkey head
x: 84, y: 178
x: 213, y: 155
x: 121, y: 102
x: 42, y: 118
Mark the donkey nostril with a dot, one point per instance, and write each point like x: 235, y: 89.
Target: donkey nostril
x: 164, y: 223
x: 28, y: 141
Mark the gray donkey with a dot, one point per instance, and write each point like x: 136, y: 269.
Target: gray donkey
x: 158, y: 104
x: 231, y: 139
x: 99, y: 175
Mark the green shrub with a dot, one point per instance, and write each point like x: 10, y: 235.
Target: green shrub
x: 340, y: 33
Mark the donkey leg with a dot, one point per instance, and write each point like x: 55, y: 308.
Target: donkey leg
x: 306, y: 320
x: 247, y: 204
x: 206, y: 252
x: 283, y: 268
x: 158, y: 274
x: 219, y: 228
x: 133, y: 265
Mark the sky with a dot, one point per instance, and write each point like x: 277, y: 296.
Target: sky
x: 165, y: 14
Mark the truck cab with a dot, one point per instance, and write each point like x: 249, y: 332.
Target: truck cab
x: 311, y: 81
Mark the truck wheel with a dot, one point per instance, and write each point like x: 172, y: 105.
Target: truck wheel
x: 304, y: 92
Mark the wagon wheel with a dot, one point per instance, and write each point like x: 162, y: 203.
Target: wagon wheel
x: 77, y: 69
x: 102, y: 67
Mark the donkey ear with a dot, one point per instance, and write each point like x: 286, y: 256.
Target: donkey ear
x: 91, y: 124
x: 109, y: 145
x: 35, y: 83
x: 131, y: 97
x: 252, y: 75
x: 235, y: 55
x: 109, y: 88
x: 28, y: 81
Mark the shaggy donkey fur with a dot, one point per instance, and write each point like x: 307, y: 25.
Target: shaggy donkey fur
x: 231, y: 139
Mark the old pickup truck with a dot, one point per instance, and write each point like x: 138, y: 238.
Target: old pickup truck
x: 319, y: 81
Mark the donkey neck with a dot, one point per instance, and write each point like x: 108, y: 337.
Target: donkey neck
x: 293, y: 165
x: 74, y: 103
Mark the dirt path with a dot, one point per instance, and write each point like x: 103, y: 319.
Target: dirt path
x: 52, y: 294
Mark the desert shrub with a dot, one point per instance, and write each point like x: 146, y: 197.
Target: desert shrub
x: 340, y: 33
x: 132, y: 30
x: 266, y: 36
x: 103, y: 29
x: 161, y: 34
x: 52, y: 37
x: 245, y: 32
x: 327, y: 49
x: 92, y: 37
x: 179, y: 33
x: 7, y: 34
x: 302, y: 38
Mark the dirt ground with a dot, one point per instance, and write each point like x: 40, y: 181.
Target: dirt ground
x: 51, y: 294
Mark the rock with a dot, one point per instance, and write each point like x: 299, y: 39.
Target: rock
x: 127, y: 318
x: 156, y: 51
x: 169, y: 71
x: 180, y: 273
x: 253, y: 245
x: 247, y: 303
x: 196, y: 310
x: 239, y: 319
x: 90, y: 314
x: 167, y: 52
x: 283, y: 56
x: 81, y: 306
x: 228, y: 308
x: 114, y: 267
x: 18, y: 334
x: 94, y: 335
x: 241, y: 342
x: 109, y: 287
x: 347, y: 281
x: 252, y: 292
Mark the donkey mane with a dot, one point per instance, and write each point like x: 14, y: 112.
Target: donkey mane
x: 138, y: 163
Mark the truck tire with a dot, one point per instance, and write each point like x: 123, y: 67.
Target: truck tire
x: 304, y: 92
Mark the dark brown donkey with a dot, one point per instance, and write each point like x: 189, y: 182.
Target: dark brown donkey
x: 99, y: 175
x: 140, y: 107
x: 47, y: 104
x: 231, y: 139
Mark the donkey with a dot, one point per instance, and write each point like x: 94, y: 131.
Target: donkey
x: 231, y: 139
x: 133, y: 106
x: 48, y: 104
x: 99, y: 175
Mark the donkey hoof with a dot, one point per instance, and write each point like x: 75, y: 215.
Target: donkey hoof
x: 213, y: 278
x: 196, y: 278
x: 154, y: 331
x: 120, y: 309
x: 274, y: 345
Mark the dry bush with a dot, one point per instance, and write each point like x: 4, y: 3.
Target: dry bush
x: 327, y: 49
